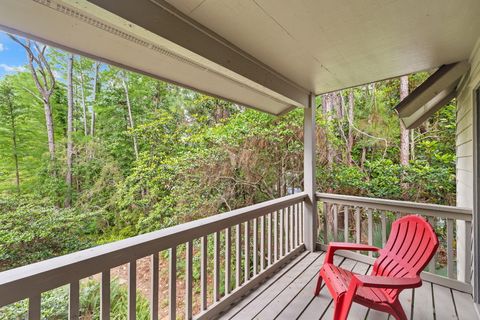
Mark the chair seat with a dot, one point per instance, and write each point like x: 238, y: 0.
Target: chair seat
x: 340, y: 280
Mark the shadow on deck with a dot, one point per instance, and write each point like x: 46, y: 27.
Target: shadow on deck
x: 289, y: 295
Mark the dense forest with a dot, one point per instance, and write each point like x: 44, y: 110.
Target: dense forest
x: 92, y: 153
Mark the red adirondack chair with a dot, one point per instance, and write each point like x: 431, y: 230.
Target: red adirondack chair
x: 410, y: 246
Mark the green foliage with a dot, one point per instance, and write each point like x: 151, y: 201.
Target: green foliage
x: 55, y: 303
x: 32, y: 232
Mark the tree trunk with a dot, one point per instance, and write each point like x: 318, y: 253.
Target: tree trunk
x: 84, y: 105
x: 14, y: 138
x: 130, y: 116
x: 328, y: 108
x: 68, y: 177
x: 404, y: 133
x: 94, y: 99
x: 363, y: 158
x: 45, y: 84
x: 50, y: 131
x: 351, y: 115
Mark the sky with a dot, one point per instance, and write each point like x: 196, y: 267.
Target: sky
x: 12, y: 56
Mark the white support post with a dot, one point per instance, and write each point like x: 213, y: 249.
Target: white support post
x: 310, y: 213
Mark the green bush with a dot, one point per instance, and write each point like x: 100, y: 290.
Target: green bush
x: 30, y: 233
x: 55, y: 304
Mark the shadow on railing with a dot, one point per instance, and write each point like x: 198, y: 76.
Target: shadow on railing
x: 368, y: 220
x: 266, y: 236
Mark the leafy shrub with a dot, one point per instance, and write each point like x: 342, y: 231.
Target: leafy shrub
x: 31, y: 233
x: 55, y: 303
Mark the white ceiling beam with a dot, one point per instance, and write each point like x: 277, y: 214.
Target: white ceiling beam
x: 162, y: 19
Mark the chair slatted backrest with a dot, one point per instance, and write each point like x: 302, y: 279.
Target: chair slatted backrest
x: 410, y: 246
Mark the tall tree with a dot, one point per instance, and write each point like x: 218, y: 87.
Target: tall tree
x: 131, y: 123
x: 95, y: 90
x: 68, y: 176
x: 44, y: 81
x: 350, y: 115
x: 83, y: 100
x: 404, y: 132
x: 7, y: 100
x: 327, y: 106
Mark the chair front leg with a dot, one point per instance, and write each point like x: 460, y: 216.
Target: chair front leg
x: 398, y: 311
x: 345, y: 302
x: 319, y: 284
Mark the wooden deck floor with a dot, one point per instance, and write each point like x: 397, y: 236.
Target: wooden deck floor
x: 289, y: 295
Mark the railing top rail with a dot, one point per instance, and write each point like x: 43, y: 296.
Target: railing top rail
x: 17, y: 284
x: 435, y: 210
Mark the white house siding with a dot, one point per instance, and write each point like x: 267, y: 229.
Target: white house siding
x: 464, y: 150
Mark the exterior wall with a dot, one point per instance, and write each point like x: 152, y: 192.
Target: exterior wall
x: 464, y: 151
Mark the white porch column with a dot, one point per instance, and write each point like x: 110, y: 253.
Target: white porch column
x: 310, y: 209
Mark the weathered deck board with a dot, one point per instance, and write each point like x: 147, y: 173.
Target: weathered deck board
x: 253, y: 295
x: 273, y: 309
x: 444, y: 307
x: 289, y: 295
x: 423, y: 302
x: 463, y: 302
x: 303, y: 298
x: 281, y: 284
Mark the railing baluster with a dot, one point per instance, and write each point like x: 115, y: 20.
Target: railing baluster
x: 325, y: 223
x: 132, y: 290
x: 299, y: 222
x: 295, y: 225
x: 105, y: 296
x: 285, y: 231
x: 228, y: 260
x: 74, y: 301
x: 370, y: 229
x: 431, y: 264
x: 335, y: 222
x: 384, y: 228
x: 302, y: 221
x: 188, y: 279
x: 262, y: 243
x: 247, y: 252
x: 450, y: 269
x: 291, y: 214
x: 238, y: 255
x: 154, y: 261
x: 255, y: 247
x: 345, y: 223
x: 34, y: 309
x: 281, y: 226
x: 172, y: 284
x: 468, y: 251
x: 216, y: 267
x: 286, y: 222
x: 275, y: 236
x: 269, y: 238
x: 358, y: 226
x: 203, y: 273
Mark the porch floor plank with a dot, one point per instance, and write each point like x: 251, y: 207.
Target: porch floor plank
x: 289, y: 295
x: 423, y: 302
x: 464, y: 306
x: 444, y: 307
x: 262, y: 300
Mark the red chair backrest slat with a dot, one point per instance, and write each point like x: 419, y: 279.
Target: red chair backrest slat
x: 410, y: 246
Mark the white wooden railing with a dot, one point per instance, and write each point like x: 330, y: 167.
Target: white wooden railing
x: 355, y: 219
x: 272, y: 234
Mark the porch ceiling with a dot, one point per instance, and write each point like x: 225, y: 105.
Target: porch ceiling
x: 266, y: 54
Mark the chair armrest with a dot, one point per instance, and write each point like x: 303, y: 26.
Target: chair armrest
x: 334, y: 246
x: 387, y: 282
x: 351, y: 246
